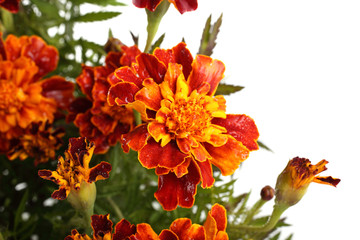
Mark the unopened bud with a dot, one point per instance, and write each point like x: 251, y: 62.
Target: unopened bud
x: 267, y: 193
x: 113, y: 45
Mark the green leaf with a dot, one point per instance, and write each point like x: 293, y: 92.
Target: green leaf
x: 207, y: 43
x: 20, y: 209
x: 95, y: 16
x: 103, y: 3
x: 135, y: 38
x: 276, y: 237
x: 262, y: 145
x: 227, y: 89
x: 157, y: 43
x: 48, y: 9
x: 289, y: 237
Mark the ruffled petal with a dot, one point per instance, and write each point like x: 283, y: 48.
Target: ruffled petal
x: 173, y: 191
x: 242, y: 128
x: 153, y: 155
x: 150, y: 95
x: 11, y: 5
x: 144, y: 232
x: 122, y: 93
x: 327, y: 180
x: 99, y: 172
x: 86, y: 80
x: 149, y: 4
x: 206, y: 174
x: 185, y: 5
x: 183, y: 228
x: 158, y: 132
x: 123, y: 229
x: 227, y: 157
x: 61, y: 193
x: 59, y: 89
x: 167, y: 235
x: 101, y: 225
x: 151, y: 67
x: 168, y: 87
x: 126, y: 74
x: 183, y: 56
x: 136, y: 139
x: 205, y: 69
x: 129, y: 55
x: 104, y: 123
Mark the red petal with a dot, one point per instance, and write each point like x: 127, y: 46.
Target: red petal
x: 86, y: 80
x: 153, y: 155
x: 327, y: 180
x: 165, y: 55
x: 101, y: 225
x: 185, y: 5
x: 183, y: 56
x: 218, y: 212
x: 126, y: 74
x: 206, y: 173
x: 151, y: 67
x: 242, y: 128
x: 104, y: 123
x: 183, y: 228
x: 227, y: 157
x: 59, y: 89
x: 123, y: 229
x: 205, y: 69
x: 173, y: 191
x: 122, y: 93
x: 129, y: 55
x: 167, y: 235
x: 112, y: 60
x: 149, y: 4
x: 150, y: 94
x: 79, y: 105
x: 11, y: 5
x: 60, y: 194
x: 99, y: 172
x: 136, y: 139
x: 2, y: 49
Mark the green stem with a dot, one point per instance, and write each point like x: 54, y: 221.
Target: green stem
x: 254, y: 210
x: 7, y: 20
x: 137, y: 117
x: 270, y: 224
x: 154, y: 19
x: 115, y: 207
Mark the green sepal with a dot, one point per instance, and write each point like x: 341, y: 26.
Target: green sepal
x: 227, y: 89
x: 208, y: 39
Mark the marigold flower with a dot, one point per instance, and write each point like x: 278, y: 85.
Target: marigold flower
x: 10, y: 5
x: 186, y: 129
x: 95, y: 118
x: 181, y: 229
x: 294, y: 180
x: 181, y: 5
x: 72, y: 171
x: 39, y: 141
x: 25, y: 98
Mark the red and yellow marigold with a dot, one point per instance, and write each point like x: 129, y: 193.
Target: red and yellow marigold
x: 294, y: 180
x: 96, y: 119
x: 74, y: 170
x: 181, y: 5
x: 25, y: 97
x: 181, y: 229
x: 185, y: 129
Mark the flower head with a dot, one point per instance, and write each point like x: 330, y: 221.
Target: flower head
x: 185, y: 129
x: 10, y: 5
x: 72, y: 171
x: 294, y: 180
x: 96, y: 119
x: 181, y: 5
x: 39, y: 141
x: 181, y: 229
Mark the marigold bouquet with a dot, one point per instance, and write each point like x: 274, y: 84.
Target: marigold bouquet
x: 150, y: 122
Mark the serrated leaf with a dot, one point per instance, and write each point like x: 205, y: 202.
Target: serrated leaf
x: 208, y: 39
x: 91, y: 45
x: 48, y: 9
x: 227, y: 89
x: 103, y: 3
x: 95, y: 16
x: 157, y: 43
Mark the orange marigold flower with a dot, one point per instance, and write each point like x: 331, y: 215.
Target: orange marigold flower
x: 181, y: 229
x: 181, y: 5
x: 10, y: 5
x: 72, y: 171
x: 95, y: 118
x: 25, y: 98
x: 39, y: 141
x: 294, y: 180
x: 186, y: 129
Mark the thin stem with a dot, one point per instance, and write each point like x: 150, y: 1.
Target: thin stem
x: 154, y: 19
x: 254, y: 210
x: 270, y: 224
x: 7, y: 21
x: 115, y: 207
x: 137, y: 117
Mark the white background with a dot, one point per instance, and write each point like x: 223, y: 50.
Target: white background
x: 299, y: 62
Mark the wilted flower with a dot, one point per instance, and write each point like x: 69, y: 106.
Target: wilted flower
x: 10, y: 5
x: 186, y: 129
x: 294, y: 180
x: 97, y: 120
x: 39, y: 141
x: 181, y: 229
x: 181, y: 5
x: 74, y: 170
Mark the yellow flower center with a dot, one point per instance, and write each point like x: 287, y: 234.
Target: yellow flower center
x: 189, y: 117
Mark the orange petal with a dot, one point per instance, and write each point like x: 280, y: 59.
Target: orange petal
x: 205, y: 69
x: 150, y: 94
x: 145, y: 232
x: 173, y: 191
x: 158, y: 132
x: 218, y: 212
x: 222, y: 236
x: 168, y: 87
x: 206, y: 173
x: 153, y: 155
x: 227, y: 157
x: 136, y: 139
x: 183, y: 228
x: 200, y: 153
x: 242, y: 128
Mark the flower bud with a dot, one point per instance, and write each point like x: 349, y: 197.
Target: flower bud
x: 294, y: 180
x: 267, y: 193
